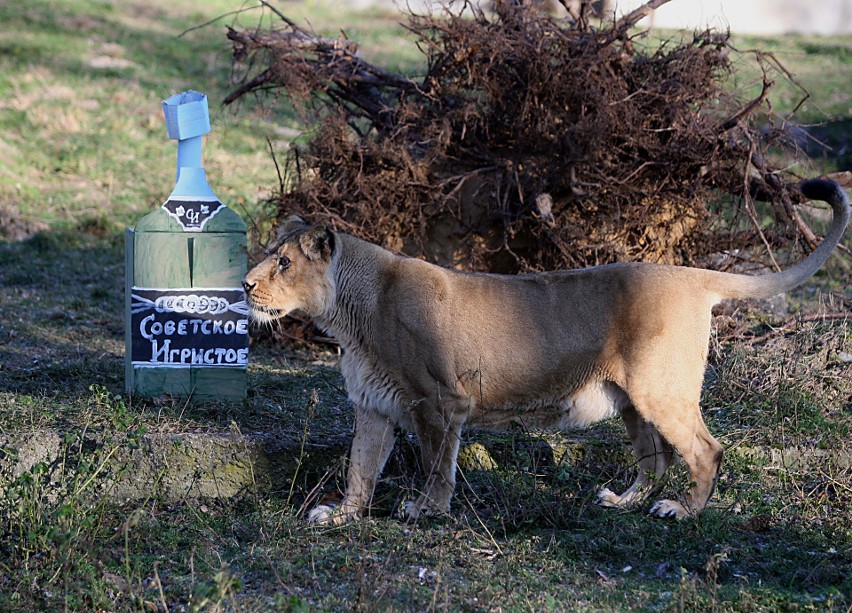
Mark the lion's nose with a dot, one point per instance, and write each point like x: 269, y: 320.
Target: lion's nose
x: 247, y: 287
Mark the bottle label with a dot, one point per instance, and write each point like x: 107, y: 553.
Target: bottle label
x: 193, y: 214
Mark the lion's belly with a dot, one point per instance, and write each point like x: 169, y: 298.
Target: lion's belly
x: 374, y: 389
x: 593, y: 402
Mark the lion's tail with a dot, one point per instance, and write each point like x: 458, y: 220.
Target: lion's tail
x: 764, y: 286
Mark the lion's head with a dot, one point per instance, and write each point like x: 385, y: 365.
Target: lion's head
x: 294, y: 274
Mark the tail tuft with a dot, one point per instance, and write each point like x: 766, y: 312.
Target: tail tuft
x: 764, y: 286
x: 823, y: 189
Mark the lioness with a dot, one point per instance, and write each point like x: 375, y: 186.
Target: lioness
x: 431, y: 349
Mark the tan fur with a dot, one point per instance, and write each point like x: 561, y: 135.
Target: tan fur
x: 433, y: 350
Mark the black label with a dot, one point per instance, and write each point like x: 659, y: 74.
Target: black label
x: 193, y: 214
x: 189, y: 327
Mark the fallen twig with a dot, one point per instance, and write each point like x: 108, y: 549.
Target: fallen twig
x: 795, y: 320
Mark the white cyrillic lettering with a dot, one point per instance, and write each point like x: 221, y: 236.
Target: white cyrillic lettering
x: 142, y: 327
x: 156, y: 352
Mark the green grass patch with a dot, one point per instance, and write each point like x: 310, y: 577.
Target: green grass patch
x: 81, y: 84
x: 792, y: 390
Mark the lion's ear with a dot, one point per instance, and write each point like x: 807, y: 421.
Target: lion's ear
x: 316, y: 243
x: 291, y: 224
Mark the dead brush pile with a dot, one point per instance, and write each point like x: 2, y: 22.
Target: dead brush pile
x: 532, y: 142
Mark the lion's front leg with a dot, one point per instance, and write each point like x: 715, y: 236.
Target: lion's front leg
x: 372, y: 444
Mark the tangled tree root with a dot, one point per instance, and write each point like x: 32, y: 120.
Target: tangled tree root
x: 531, y: 142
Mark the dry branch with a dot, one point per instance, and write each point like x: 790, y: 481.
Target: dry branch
x: 632, y: 18
x: 793, y: 321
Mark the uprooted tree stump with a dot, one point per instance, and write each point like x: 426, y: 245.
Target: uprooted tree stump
x: 531, y: 142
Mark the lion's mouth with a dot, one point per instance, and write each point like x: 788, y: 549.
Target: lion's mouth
x: 262, y: 312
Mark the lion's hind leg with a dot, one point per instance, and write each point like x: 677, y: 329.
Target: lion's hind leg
x: 653, y: 456
x: 439, y: 432
x: 702, y: 454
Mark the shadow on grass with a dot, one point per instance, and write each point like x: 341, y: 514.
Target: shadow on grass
x: 832, y: 141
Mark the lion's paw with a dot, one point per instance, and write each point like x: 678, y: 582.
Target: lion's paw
x: 669, y: 509
x: 608, y: 498
x: 329, y: 515
x: 413, y: 509
x: 322, y: 514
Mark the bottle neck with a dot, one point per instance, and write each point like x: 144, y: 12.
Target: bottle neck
x: 192, y: 184
x: 189, y: 154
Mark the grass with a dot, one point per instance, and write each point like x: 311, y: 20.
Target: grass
x: 524, y: 536
x: 83, y: 153
x: 81, y: 121
x: 515, y: 540
x: 818, y: 89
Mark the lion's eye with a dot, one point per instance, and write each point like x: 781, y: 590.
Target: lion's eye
x: 283, y: 262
